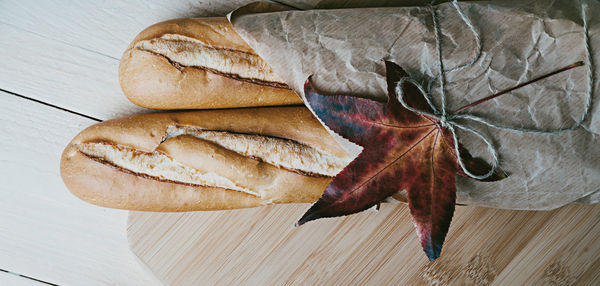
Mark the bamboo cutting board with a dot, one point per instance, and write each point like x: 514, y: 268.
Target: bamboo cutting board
x: 260, y: 246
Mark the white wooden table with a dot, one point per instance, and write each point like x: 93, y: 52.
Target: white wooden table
x: 58, y: 75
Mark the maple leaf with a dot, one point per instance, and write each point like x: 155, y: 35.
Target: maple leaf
x: 402, y: 150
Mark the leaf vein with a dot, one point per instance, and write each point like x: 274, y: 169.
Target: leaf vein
x: 432, y: 180
x: 399, y: 127
x: 393, y: 162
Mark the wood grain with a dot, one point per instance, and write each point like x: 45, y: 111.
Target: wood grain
x: 46, y: 232
x: 261, y: 247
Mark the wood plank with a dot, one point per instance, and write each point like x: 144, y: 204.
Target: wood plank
x: 16, y: 280
x: 46, y: 232
x: 261, y: 247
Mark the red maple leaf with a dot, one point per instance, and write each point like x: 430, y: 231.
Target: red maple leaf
x: 402, y: 150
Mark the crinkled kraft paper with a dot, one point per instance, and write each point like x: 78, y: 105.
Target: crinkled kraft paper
x: 344, y: 49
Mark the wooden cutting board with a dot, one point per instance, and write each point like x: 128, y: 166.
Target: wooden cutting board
x: 261, y: 247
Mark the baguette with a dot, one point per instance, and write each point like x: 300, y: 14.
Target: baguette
x: 203, y: 160
x: 198, y: 63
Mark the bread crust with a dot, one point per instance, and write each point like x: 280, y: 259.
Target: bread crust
x: 152, y: 80
x: 107, y: 185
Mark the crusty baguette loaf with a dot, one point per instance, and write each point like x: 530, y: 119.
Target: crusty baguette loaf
x: 203, y: 160
x: 198, y: 63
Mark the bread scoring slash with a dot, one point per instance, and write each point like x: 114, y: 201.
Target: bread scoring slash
x: 198, y: 63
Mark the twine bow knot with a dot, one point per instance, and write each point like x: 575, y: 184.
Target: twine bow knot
x: 450, y: 122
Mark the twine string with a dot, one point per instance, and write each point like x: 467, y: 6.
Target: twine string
x: 449, y: 120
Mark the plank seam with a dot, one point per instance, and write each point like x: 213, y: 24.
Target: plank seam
x: 28, y: 277
x: 51, y: 105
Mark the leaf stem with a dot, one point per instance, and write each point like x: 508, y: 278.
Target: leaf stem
x: 574, y: 65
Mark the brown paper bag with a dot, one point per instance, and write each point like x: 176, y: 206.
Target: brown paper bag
x: 344, y: 51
